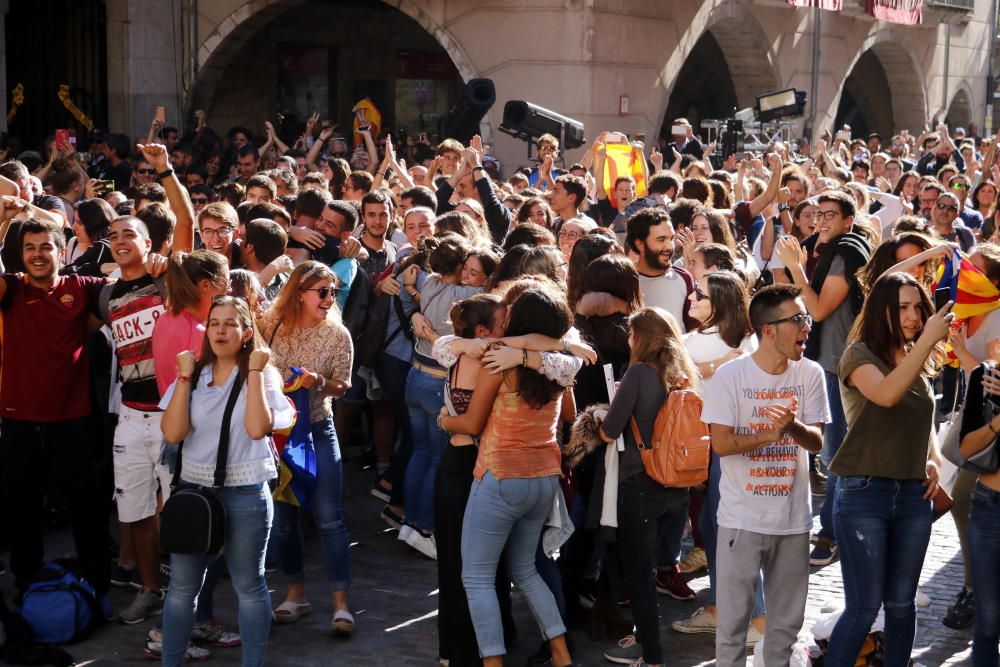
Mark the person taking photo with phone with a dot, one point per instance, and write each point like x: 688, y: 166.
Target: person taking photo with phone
x: 887, y: 465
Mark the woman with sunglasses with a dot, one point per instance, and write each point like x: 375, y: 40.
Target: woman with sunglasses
x: 887, y: 465
x: 231, y: 353
x: 723, y: 334
x: 304, y: 330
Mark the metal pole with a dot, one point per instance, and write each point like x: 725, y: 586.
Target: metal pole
x: 947, y: 59
x: 990, y: 85
x: 814, y: 82
x: 192, y: 56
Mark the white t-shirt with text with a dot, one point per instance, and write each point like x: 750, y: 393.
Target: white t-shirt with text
x: 766, y: 490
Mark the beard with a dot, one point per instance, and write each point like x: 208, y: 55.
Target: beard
x: 653, y: 259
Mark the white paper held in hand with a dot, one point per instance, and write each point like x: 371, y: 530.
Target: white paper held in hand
x: 609, y: 378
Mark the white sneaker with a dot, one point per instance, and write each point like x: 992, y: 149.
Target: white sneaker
x: 699, y: 622
x: 424, y: 545
x: 404, y: 533
x: 753, y: 635
x: 922, y: 599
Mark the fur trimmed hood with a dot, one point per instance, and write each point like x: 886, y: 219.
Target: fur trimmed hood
x: 583, y: 436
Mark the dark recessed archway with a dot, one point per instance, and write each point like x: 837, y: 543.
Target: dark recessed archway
x: 960, y: 110
x: 299, y: 56
x: 726, y: 70
x: 866, y: 101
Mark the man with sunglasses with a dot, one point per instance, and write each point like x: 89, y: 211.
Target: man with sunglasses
x: 144, y: 173
x: 948, y: 224
x: 960, y: 186
x: 834, y: 298
x: 767, y: 412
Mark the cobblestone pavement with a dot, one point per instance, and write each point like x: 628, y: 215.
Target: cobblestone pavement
x: 394, y: 602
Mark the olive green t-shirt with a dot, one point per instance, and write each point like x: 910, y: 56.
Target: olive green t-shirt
x: 883, y: 442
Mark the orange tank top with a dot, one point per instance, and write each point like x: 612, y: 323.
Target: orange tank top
x: 518, y: 441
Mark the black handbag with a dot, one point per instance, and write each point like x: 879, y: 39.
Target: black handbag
x: 193, y: 520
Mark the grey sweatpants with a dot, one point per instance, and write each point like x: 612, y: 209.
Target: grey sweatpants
x: 740, y: 555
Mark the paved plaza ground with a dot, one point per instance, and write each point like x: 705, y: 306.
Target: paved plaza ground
x: 395, y: 605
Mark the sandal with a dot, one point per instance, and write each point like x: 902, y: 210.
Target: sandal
x: 342, y: 624
x: 289, y: 612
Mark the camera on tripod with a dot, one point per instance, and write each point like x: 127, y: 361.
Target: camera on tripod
x: 759, y: 127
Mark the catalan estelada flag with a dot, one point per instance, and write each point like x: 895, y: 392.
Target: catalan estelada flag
x: 972, y: 292
x: 297, y: 470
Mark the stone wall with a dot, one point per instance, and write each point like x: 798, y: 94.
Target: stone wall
x: 578, y: 57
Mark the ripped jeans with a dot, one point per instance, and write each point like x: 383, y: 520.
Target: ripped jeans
x: 883, y: 527
x: 327, y: 509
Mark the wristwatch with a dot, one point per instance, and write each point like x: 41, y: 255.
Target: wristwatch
x: 783, y: 207
x: 166, y: 173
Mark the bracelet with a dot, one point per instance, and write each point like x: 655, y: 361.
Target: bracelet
x: 565, y: 344
x: 166, y: 173
x: 439, y: 425
x: 524, y: 357
x: 183, y: 378
x: 255, y: 370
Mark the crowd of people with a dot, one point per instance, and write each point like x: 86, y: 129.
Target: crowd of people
x: 461, y: 321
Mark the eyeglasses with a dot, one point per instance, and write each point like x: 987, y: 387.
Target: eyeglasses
x: 323, y: 292
x: 212, y: 233
x: 959, y: 186
x: 801, y: 320
x: 698, y: 294
x: 147, y: 172
x: 946, y: 207
x: 199, y: 200
x: 567, y: 235
x: 827, y: 215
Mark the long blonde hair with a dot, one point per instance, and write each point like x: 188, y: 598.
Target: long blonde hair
x: 287, y: 306
x: 657, y: 341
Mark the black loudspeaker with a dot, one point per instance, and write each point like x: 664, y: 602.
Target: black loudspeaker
x: 527, y: 121
x: 462, y: 120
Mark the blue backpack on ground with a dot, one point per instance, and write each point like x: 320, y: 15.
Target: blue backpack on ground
x: 60, y: 606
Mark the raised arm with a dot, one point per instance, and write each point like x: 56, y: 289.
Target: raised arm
x: 177, y: 197
x: 764, y: 199
x: 888, y: 390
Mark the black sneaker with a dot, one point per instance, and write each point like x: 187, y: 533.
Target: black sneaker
x: 961, y: 614
x: 541, y: 657
x: 379, y: 490
x: 121, y: 576
x: 136, y: 581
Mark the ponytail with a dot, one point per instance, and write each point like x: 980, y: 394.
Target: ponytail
x: 186, y: 270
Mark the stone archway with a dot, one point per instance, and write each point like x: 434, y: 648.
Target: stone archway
x: 722, y: 63
x: 960, y: 110
x: 232, y: 40
x: 882, y: 91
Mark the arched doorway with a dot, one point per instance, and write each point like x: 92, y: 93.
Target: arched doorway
x: 725, y: 71
x: 882, y: 93
x: 960, y: 110
x: 303, y: 56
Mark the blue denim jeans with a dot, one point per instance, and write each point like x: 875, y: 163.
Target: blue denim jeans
x: 327, y: 510
x: 708, y: 524
x: 424, y: 398
x: 248, y: 521
x: 883, y: 527
x: 984, y: 561
x: 833, y: 435
x: 506, y: 516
